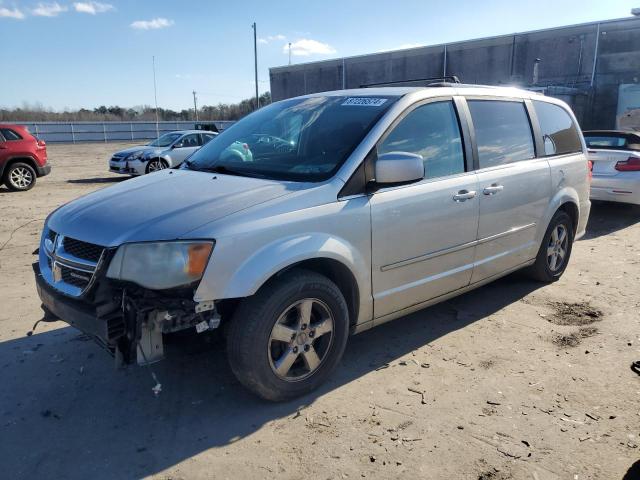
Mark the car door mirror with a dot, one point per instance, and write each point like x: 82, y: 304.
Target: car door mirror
x: 178, y: 145
x: 399, y: 167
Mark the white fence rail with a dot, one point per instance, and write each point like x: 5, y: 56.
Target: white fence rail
x: 77, y: 132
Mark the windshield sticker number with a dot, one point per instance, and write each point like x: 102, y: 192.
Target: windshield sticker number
x: 364, y: 102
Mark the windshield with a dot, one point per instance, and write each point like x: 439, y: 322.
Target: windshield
x: 165, y: 140
x: 302, y: 139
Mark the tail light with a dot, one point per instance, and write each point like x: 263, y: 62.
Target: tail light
x: 631, y: 164
x: 42, y: 143
x: 590, y: 165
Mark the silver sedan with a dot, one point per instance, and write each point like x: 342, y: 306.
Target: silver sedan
x: 616, y: 165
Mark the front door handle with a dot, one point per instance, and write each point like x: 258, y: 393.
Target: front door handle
x: 493, y: 189
x: 464, y: 195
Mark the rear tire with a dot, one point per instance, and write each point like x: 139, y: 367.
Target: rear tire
x: 288, y: 338
x: 555, y: 250
x: 20, y: 177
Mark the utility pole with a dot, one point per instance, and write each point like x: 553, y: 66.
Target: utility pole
x: 255, y: 59
x: 289, y: 53
x: 155, y: 94
x: 195, y: 104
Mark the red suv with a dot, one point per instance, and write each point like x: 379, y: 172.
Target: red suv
x: 23, y: 157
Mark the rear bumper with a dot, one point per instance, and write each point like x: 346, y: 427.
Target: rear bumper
x: 616, y: 189
x: 43, y: 170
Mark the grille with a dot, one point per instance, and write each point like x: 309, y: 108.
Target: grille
x: 73, y: 277
x: 84, y: 250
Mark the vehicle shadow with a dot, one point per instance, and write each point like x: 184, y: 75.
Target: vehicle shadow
x: 66, y: 413
x: 98, y: 180
x: 609, y: 217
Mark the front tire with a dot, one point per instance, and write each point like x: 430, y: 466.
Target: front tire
x: 555, y: 250
x: 20, y: 177
x: 156, y: 164
x: 288, y: 338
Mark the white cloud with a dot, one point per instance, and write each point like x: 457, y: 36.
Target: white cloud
x: 271, y: 38
x: 92, y: 8
x: 48, y: 9
x: 153, y: 24
x: 305, y: 47
x: 8, y: 13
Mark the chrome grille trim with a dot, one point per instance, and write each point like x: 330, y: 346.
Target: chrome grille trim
x: 64, y: 271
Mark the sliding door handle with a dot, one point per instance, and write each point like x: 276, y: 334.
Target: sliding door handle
x: 464, y: 195
x: 493, y: 189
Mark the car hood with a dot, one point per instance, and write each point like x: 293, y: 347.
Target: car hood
x: 165, y: 205
x: 143, y: 148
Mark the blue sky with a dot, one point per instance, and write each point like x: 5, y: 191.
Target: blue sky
x: 71, y: 54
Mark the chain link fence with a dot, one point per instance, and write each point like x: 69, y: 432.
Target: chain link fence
x: 77, y: 132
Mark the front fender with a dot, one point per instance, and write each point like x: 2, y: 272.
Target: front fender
x: 274, y: 257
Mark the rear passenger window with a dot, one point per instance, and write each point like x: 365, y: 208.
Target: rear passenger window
x: 9, y: 134
x: 431, y: 131
x: 559, y: 133
x: 503, y: 132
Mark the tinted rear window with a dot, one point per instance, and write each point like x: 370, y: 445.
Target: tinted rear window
x: 612, y: 141
x: 503, y: 132
x: 559, y: 132
x: 9, y: 134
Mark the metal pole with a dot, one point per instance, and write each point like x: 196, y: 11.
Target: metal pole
x: 255, y: 59
x: 595, y: 56
x: 195, y: 105
x: 155, y: 94
x: 289, y: 53
x: 444, y: 64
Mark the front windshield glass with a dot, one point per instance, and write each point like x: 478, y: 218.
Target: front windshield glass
x: 302, y: 139
x: 165, y: 140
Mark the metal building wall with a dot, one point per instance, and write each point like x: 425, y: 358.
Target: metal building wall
x: 566, y: 63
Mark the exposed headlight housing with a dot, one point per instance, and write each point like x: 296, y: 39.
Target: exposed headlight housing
x: 136, y: 155
x: 161, y: 265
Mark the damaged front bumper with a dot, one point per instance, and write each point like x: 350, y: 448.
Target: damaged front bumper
x: 128, y: 321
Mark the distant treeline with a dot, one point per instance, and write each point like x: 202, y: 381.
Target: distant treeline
x: 222, y: 111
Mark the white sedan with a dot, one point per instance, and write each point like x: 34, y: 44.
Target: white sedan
x: 616, y: 165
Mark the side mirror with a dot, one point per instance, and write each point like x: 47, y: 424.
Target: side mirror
x: 399, y: 167
x: 177, y: 145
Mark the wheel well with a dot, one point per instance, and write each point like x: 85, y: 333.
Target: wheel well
x: 339, y: 274
x: 28, y: 160
x: 571, y: 209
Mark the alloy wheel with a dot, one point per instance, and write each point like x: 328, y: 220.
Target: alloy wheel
x: 300, y: 339
x: 557, y: 247
x: 156, y: 165
x: 21, y: 177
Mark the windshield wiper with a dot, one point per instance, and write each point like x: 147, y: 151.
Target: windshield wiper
x: 230, y: 171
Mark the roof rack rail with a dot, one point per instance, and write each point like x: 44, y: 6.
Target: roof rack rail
x: 445, y: 81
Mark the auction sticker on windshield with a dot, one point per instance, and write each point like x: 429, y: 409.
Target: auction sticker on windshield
x: 364, y: 101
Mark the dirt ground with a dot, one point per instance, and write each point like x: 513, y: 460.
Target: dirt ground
x: 513, y: 381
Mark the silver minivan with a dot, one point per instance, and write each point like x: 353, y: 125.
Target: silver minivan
x: 320, y: 216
